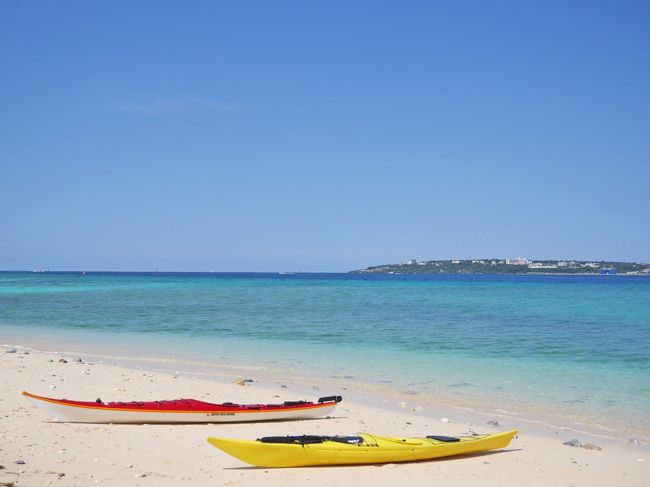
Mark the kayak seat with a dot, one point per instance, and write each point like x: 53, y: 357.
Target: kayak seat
x: 336, y: 399
x: 446, y: 439
x: 311, y: 439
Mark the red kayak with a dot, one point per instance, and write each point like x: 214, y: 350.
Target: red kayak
x: 179, y: 410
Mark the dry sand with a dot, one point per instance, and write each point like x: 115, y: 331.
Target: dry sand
x: 36, y: 452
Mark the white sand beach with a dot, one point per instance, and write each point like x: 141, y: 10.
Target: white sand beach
x: 37, y: 452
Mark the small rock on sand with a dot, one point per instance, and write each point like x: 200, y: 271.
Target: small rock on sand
x: 574, y: 442
x: 493, y: 422
x: 578, y: 444
x: 591, y: 446
x: 13, y: 350
x: 63, y: 361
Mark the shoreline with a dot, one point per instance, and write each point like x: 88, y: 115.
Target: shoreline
x: 141, y: 454
x: 544, y: 420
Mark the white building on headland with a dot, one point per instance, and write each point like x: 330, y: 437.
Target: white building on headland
x: 518, y: 261
x: 539, y: 265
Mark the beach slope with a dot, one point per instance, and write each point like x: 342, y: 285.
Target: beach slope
x: 36, y: 451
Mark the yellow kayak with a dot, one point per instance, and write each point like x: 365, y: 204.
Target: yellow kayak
x: 364, y: 448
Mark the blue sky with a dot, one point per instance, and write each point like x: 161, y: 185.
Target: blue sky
x: 321, y: 136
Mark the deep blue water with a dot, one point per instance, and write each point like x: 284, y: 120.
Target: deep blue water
x: 578, y: 344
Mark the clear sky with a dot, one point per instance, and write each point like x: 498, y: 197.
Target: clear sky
x: 321, y: 136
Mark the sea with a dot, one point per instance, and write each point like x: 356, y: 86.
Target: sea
x: 564, y: 347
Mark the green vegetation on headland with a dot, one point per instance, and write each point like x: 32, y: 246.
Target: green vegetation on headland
x: 519, y: 265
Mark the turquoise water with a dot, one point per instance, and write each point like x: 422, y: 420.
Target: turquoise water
x: 577, y: 346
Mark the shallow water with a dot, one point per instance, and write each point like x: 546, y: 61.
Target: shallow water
x: 574, y: 346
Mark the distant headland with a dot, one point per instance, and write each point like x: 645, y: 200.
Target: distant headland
x: 519, y: 265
